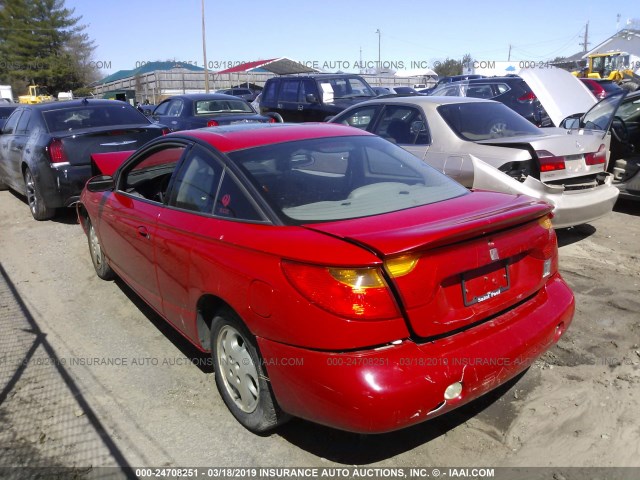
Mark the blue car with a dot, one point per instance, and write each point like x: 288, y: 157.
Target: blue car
x: 186, y: 112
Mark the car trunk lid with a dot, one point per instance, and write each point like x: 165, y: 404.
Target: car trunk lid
x: 560, y: 93
x: 573, y: 154
x: 79, y: 145
x: 479, y: 256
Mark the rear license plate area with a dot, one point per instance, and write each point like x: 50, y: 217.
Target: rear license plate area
x: 484, y: 283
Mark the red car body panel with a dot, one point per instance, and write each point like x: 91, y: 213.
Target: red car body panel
x: 358, y: 375
x: 108, y: 163
x: 377, y: 391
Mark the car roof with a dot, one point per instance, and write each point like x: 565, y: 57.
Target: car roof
x: 86, y: 102
x: 424, y: 100
x: 491, y: 80
x: 319, y: 75
x: 204, y: 96
x: 230, y: 138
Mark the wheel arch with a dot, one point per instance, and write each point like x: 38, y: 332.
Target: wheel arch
x: 206, y: 308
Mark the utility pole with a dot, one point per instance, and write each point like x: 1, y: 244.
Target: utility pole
x: 204, y: 54
x: 585, y: 43
x: 379, y: 41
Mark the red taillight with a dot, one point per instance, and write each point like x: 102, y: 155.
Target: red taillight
x: 354, y: 293
x: 597, y: 158
x: 548, y: 252
x: 166, y: 131
x: 527, y: 97
x: 549, y: 162
x: 56, y: 151
x: 212, y: 123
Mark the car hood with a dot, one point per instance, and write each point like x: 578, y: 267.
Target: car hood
x: 560, y: 93
x: 434, y: 225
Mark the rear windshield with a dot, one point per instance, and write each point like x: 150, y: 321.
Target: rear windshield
x: 477, y: 121
x: 91, y: 116
x: 207, y: 107
x: 345, y: 177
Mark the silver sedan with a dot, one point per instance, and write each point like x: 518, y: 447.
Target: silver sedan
x: 485, y: 145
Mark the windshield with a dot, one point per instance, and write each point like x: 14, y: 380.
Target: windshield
x: 601, y: 115
x: 208, y: 107
x: 475, y: 121
x: 342, y: 177
x: 91, y: 116
x: 346, y: 87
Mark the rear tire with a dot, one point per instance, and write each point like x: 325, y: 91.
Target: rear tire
x: 38, y: 208
x: 240, y: 376
x: 100, y: 263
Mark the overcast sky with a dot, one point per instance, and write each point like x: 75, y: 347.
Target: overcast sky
x: 338, y: 33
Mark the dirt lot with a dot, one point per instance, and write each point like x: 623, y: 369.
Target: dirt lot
x: 90, y: 377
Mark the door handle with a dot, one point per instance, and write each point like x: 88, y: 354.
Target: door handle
x: 143, y: 232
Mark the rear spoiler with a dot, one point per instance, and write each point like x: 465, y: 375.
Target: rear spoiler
x: 108, y: 163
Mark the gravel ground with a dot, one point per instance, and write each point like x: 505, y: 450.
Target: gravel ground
x: 90, y: 377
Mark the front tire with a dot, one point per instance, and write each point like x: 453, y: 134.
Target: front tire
x: 100, y: 263
x: 38, y: 208
x: 240, y: 376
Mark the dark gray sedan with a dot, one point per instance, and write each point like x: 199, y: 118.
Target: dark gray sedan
x: 46, y: 148
x: 186, y: 112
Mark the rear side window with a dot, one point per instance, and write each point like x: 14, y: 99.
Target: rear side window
x: 10, y: 125
x: 480, y: 91
x: 196, y: 183
x: 23, y: 124
x: 233, y: 202
x: 289, y: 91
x: 269, y: 93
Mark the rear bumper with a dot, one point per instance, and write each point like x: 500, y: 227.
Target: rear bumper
x: 61, y: 186
x: 570, y: 207
x: 388, y: 388
x: 581, y: 206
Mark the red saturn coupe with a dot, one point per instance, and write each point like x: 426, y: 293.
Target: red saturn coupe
x: 332, y: 275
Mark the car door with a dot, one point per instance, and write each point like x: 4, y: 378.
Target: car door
x: 310, y: 107
x: 203, y: 194
x: 288, y: 105
x: 130, y: 215
x: 168, y: 113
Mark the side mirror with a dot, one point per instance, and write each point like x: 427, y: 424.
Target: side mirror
x: 571, y: 122
x: 311, y: 98
x: 101, y: 183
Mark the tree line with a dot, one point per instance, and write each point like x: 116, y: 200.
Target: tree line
x: 43, y: 43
